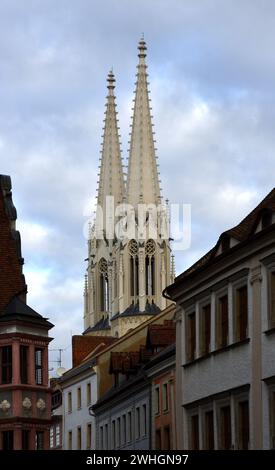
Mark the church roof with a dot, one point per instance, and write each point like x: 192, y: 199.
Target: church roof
x: 102, y: 324
x: 134, y: 310
x: 17, y: 310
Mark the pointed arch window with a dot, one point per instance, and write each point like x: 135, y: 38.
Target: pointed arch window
x: 150, y: 250
x: 103, y: 285
x: 134, y: 269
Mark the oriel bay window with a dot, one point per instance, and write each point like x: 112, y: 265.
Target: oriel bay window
x: 24, y: 350
x: 38, y: 366
x: 241, y: 313
x: 6, y: 364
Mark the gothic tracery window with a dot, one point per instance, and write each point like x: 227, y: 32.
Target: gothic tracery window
x: 104, y: 285
x: 134, y: 269
x: 150, y: 250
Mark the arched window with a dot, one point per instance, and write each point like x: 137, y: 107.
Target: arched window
x: 134, y: 269
x: 150, y: 250
x: 103, y: 285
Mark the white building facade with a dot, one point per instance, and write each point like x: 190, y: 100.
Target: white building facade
x: 79, y: 387
x: 225, y: 353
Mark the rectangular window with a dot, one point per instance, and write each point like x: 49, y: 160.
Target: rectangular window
x: 129, y: 428
x: 25, y: 439
x: 113, y: 434
x: 243, y: 425
x: 272, y: 419
x: 6, y: 364
x: 241, y: 313
x: 89, y: 398
x: 57, y: 435
x: 39, y: 440
x: 191, y: 337
x: 89, y: 436
x: 222, y: 322
x: 70, y: 440
x: 51, y: 437
x: 118, y: 432
x: 144, y: 417
x: 272, y: 300
x: 78, y: 398
x: 158, y: 439
x: 165, y: 397
x: 69, y: 402
x: 166, y: 438
x: 79, y: 438
x: 195, y: 440
x: 106, y: 436
x: 24, y: 364
x: 137, y: 422
x: 7, y: 440
x: 205, y: 318
x: 209, y: 430
x: 157, y: 402
x: 101, y: 437
x: 124, y: 431
x: 225, y: 428
x: 38, y: 366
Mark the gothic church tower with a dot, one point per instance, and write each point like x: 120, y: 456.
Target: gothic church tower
x: 127, y: 274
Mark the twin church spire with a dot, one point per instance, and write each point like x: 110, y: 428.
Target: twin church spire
x: 111, y: 180
x: 126, y: 275
x: 142, y: 183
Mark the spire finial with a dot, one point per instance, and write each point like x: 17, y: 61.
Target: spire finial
x: 111, y: 80
x: 142, y: 47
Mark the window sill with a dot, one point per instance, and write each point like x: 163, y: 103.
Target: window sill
x: 217, y: 351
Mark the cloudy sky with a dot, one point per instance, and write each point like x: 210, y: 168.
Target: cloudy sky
x: 212, y: 80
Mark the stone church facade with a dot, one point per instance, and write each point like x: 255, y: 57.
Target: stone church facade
x: 129, y: 254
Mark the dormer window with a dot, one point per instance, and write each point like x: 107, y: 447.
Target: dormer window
x: 266, y: 219
x: 225, y: 244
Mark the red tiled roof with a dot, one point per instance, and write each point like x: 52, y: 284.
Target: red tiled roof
x: 124, y: 362
x: 82, y: 346
x: 161, y: 335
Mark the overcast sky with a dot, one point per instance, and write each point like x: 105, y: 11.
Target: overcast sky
x: 212, y: 80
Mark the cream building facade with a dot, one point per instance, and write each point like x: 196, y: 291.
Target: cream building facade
x: 225, y: 346
x: 129, y: 255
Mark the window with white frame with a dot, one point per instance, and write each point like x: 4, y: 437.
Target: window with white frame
x: 57, y: 435
x: 191, y: 336
x: 205, y: 328
x: 222, y: 320
x: 51, y: 437
x: 241, y: 313
x: 224, y: 427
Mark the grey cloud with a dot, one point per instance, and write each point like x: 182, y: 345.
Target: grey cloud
x: 211, y: 68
